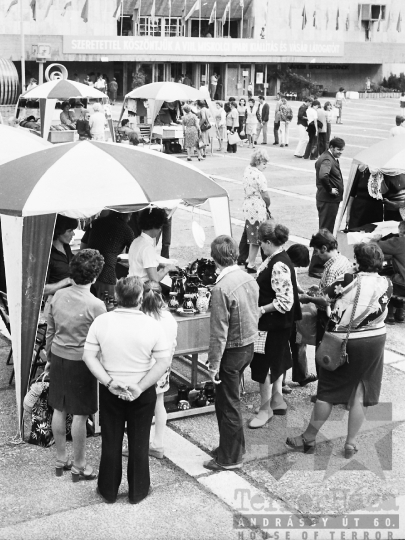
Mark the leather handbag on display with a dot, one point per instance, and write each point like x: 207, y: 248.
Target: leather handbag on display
x: 331, y: 353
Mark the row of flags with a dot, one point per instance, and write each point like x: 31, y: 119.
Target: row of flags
x: 67, y: 4
x: 85, y: 11
x: 315, y: 19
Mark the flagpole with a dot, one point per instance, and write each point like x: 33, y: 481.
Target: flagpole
x: 199, y: 21
x: 229, y: 20
x: 122, y: 14
x: 22, y: 48
x: 241, y: 30
x: 170, y: 18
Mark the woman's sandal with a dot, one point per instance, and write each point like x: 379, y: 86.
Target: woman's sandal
x: 300, y: 444
x: 350, y: 450
x: 61, y: 466
x: 79, y: 473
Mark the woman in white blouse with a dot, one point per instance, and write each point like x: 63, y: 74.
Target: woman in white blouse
x: 340, y: 98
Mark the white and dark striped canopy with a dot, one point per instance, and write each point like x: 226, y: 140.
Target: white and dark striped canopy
x: 63, y: 89
x: 17, y: 142
x: 80, y: 179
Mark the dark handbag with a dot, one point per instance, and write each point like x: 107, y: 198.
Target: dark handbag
x: 331, y: 352
x: 205, y: 125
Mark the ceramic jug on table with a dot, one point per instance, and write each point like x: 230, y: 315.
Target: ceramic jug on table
x: 203, y: 299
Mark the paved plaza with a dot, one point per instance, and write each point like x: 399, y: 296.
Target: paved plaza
x: 187, y: 501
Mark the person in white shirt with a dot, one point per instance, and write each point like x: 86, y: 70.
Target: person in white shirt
x: 97, y: 123
x: 127, y: 352
x: 340, y: 98
x: 33, y: 83
x: 311, y: 150
x: 142, y: 257
x: 399, y: 129
x: 213, y: 85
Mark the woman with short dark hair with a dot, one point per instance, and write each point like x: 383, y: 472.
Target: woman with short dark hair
x: 357, y: 383
x: 204, y: 118
x: 58, y: 275
x: 279, y: 307
x: 73, y: 389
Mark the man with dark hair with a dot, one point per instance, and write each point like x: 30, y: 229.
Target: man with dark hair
x: 277, y: 119
x: 311, y: 151
x: 143, y: 259
x: 263, y: 112
x: 329, y: 192
x: 234, y: 322
x: 399, y: 129
x: 302, y: 122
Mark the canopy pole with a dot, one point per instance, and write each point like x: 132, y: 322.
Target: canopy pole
x: 22, y: 48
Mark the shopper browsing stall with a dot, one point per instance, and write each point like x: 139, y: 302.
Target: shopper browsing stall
x: 143, y: 259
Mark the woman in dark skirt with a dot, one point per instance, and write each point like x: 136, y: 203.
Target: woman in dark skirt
x: 72, y: 388
x: 356, y: 383
x: 279, y: 307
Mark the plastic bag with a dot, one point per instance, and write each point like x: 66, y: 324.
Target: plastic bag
x: 307, y: 325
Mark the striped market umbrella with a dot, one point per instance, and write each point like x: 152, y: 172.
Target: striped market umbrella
x: 63, y: 89
x: 167, y: 91
x: 79, y: 179
x: 18, y: 142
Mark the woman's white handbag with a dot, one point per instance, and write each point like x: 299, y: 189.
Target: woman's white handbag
x: 233, y: 138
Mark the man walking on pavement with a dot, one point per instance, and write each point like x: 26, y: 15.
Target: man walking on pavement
x: 277, y: 118
x: 263, y: 113
x: 329, y: 193
x: 302, y: 128
x: 233, y: 330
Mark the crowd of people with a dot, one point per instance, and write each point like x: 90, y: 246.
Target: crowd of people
x: 256, y: 311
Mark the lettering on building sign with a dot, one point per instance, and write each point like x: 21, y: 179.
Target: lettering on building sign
x: 188, y: 46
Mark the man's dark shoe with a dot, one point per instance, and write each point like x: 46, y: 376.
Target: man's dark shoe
x: 286, y: 389
x: 309, y: 379
x: 313, y: 399
x: 316, y: 275
x: 212, y: 465
x: 399, y: 315
x: 104, y: 499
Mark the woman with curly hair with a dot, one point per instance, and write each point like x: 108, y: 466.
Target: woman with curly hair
x: 356, y: 383
x: 72, y: 388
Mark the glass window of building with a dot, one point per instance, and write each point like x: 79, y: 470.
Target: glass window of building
x: 172, y: 27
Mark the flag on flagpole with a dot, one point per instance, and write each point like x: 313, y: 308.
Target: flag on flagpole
x: 327, y: 18
x: 359, y: 17
x: 227, y: 8
x: 290, y: 18
x: 196, y: 7
x: 117, y: 8
x: 12, y: 3
x: 68, y: 3
x: 337, y: 19
x: 304, y: 18
x: 242, y: 3
x: 399, y: 22
x: 389, y: 20
x: 379, y: 21
x: 183, y: 11
x: 213, y: 15
x: 348, y: 21
x: 33, y: 6
x: 153, y: 12
x: 314, y: 19
x: 48, y: 8
x: 85, y: 11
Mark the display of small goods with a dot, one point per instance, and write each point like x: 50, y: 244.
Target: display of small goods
x: 192, y: 283
x: 200, y: 396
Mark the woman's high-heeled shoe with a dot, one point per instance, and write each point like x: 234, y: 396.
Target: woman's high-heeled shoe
x: 61, y: 466
x: 262, y: 418
x: 350, y: 450
x: 300, y: 444
x: 83, y: 473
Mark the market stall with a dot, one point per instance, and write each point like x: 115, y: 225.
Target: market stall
x: 375, y: 194
x: 157, y: 94
x: 49, y: 182
x: 45, y: 99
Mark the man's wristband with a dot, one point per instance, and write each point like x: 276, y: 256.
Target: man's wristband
x: 109, y: 383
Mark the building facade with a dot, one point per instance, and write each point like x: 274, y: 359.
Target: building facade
x: 332, y: 43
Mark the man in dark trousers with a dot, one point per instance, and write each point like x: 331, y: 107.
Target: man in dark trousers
x: 263, y: 113
x: 329, y: 193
